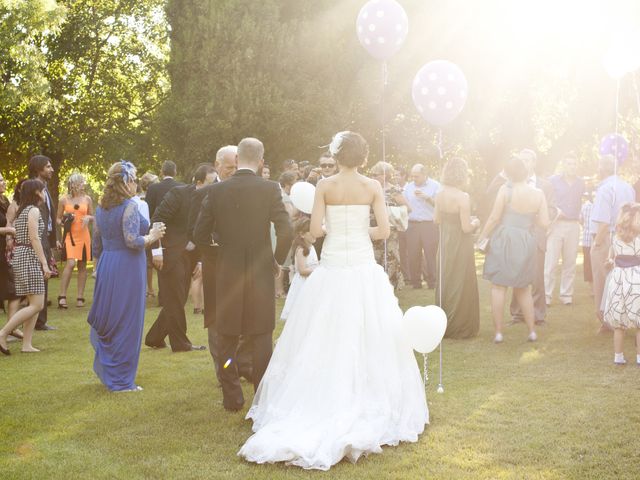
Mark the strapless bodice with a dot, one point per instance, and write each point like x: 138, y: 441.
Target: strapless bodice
x: 347, y: 242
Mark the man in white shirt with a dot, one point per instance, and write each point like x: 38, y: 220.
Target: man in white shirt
x: 422, y: 234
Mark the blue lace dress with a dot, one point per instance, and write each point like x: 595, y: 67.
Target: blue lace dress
x: 117, y: 313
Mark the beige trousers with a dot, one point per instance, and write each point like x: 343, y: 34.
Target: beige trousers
x: 562, y: 243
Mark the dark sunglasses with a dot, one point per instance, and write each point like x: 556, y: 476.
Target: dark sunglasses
x: 327, y: 165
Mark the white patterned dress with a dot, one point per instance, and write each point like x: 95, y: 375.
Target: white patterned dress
x: 27, y: 271
x: 622, y: 296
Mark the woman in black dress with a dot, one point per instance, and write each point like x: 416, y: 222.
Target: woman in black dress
x: 5, y: 230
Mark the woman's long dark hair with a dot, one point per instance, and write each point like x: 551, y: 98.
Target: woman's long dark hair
x: 300, y: 227
x: 16, y: 191
x: 29, y: 194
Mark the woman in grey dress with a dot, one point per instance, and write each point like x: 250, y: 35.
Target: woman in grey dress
x: 511, y: 245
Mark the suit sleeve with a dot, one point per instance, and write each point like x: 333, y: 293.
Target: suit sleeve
x: 151, y: 200
x: 194, y: 211
x: 205, y: 223
x: 280, y: 219
x: 489, y: 199
x: 167, y: 210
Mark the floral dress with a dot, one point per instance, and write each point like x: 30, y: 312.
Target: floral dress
x: 622, y: 295
x: 393, y: 246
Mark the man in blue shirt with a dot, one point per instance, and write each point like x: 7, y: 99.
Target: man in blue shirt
x: 422, y: 234
x: 612, y: 193
x: 564, y: 232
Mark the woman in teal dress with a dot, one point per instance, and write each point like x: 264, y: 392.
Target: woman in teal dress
x: 510, y: 260
x: 457, y: 287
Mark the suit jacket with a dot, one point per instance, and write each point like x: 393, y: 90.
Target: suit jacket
x: 49, y: 238
x: 174, y: 212
x: 197, y: 202
x: 490, y: 196
x: 240, y: 211
x: 157, y: 191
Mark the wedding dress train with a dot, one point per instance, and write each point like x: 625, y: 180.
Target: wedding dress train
x: 343, y: 380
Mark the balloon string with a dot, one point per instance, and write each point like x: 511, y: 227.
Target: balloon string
x: 440, y: 257
x: 384, y: 170
x: 425, y: 370
x: 635, y: 87
x: 618, y: 142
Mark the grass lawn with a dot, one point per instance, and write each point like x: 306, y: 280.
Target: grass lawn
x: 558, y: 408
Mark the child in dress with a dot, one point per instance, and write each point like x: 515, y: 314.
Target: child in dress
x: 622, y: 296
x: 305, y: 261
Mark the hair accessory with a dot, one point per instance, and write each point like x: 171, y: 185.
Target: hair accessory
x: 128, y: 171
x: 336, y: 143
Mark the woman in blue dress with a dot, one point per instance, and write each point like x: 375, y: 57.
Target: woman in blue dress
x: 117, y: 313
x: 510, y: 260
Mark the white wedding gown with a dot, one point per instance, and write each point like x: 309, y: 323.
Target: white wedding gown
x: 343, y: 380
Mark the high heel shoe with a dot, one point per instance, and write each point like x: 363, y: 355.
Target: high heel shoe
x: 62, y: 306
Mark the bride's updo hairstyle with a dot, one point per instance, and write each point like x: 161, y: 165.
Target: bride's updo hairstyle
x: 350, y: 149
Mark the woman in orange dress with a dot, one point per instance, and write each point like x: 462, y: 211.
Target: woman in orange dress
x: 75, y: 212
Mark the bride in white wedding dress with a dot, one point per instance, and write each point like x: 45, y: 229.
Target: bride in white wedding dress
x: 343, y: 380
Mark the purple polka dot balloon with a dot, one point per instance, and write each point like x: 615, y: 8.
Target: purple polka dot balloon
x: 616, y: 145
x: 382, y: 27
x: 440, y: 92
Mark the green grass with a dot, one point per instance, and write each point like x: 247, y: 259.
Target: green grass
x: 555, y: 409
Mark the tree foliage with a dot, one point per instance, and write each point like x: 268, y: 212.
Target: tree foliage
x: 292, y: 73
x: 87, y: 87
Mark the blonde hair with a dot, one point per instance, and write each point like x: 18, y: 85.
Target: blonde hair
x: 147, y: 179
x: 73, y: 183
x: 382, y: 168
x: 628, y: 223
x: 455, y: 173
x: 115, y: 190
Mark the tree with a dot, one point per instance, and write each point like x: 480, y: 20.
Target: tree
x: 101, y: 77
x: 244, y: 68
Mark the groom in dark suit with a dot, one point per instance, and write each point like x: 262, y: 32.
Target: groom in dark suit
x: 226, y: 165
x: 238, y: 213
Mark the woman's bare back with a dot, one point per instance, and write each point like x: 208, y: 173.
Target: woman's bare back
x: 349, y: 189
x: 524, y: 198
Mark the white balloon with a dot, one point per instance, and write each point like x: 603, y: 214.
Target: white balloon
x: 425, y: 327
x: 302, y: 195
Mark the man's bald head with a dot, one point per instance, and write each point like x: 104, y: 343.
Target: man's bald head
x: 250, y: 153
x: 226, y: 161
x: 419, y: 174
